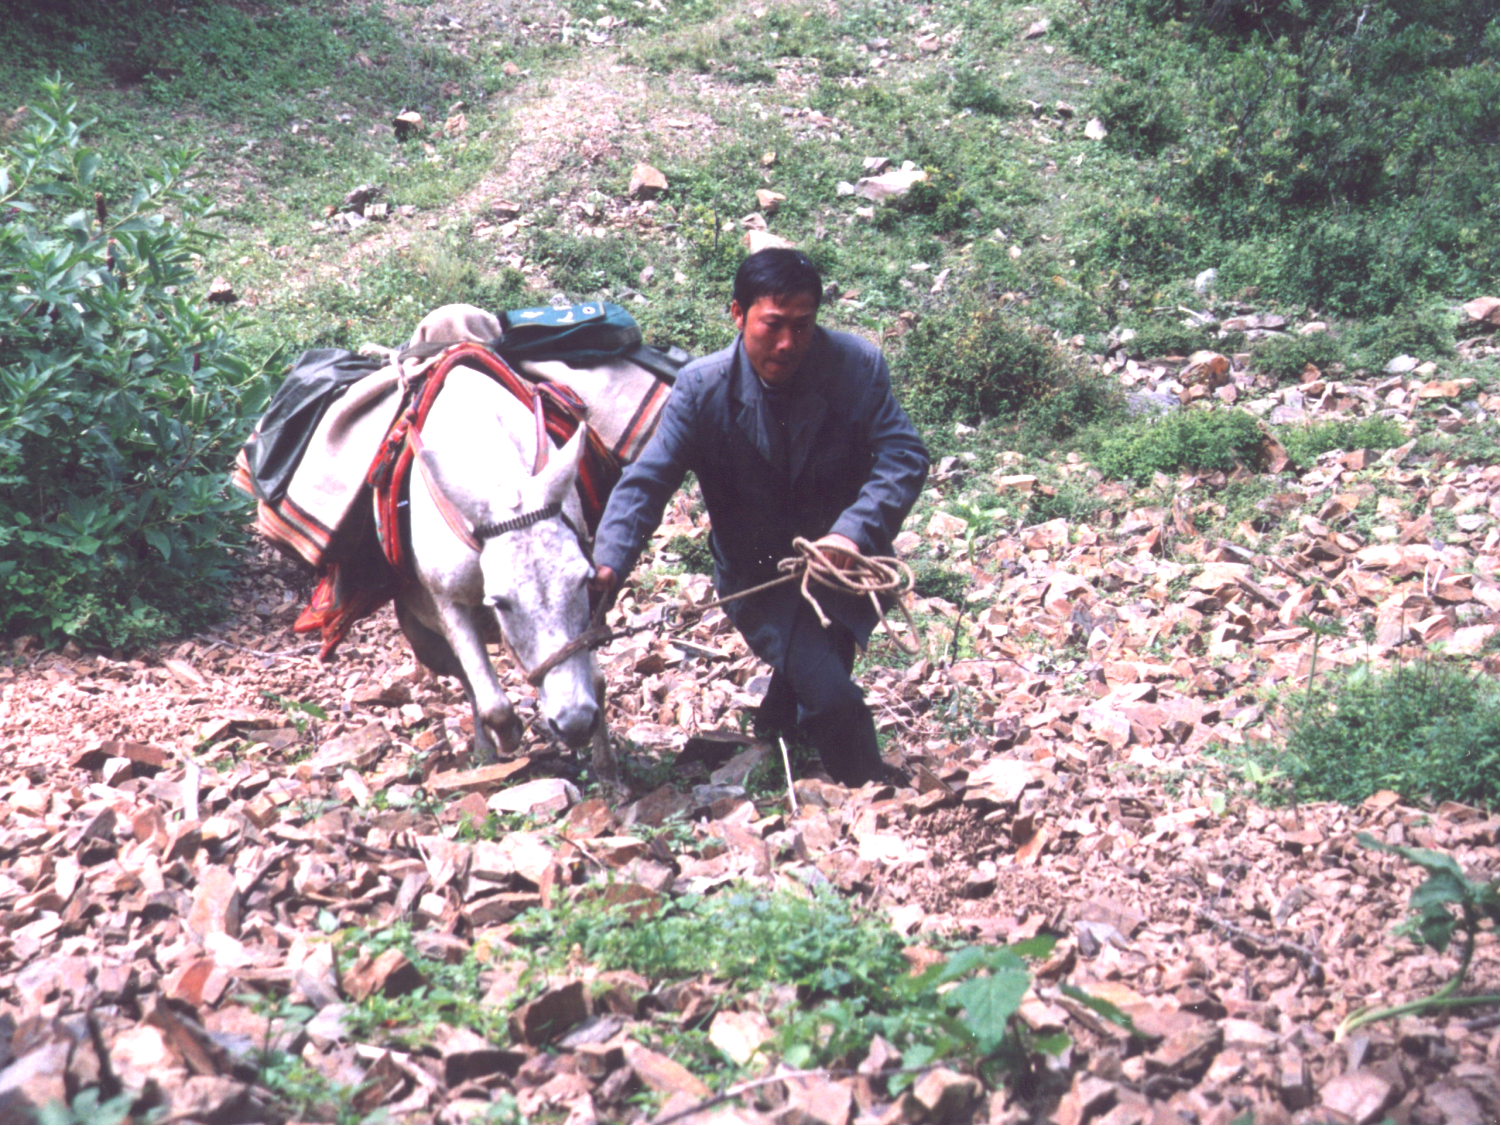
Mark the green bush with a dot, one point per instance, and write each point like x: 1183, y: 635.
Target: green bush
x: 1423, y: 730
x: 1285, y: 355
x: 1167, y: 338
x: 1086, y: 400
x: 124, y: 401
x: 1425, y: 333
x: 1305, y: 443
x: 1140, y: 118
x: 934, y: 580
x: 693, y: 553
x: 974, y: 361
x: 1352, y: 144
x: 1201, y: 439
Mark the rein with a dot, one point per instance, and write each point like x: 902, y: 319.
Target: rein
x: 872, y: 575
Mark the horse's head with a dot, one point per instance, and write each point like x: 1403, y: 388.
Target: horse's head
x: 536, y: 578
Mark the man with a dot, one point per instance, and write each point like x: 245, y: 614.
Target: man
x: 791, y: 431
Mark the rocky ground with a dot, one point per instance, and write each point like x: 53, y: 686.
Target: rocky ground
x: 193, y: 835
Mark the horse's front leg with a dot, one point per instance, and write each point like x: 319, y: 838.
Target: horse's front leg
x: 494, y: 718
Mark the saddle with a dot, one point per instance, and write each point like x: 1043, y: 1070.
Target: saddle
x: 363, y: 555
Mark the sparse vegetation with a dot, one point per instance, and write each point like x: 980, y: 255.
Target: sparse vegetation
x: 1425, y: 730
x: 1205, y: 440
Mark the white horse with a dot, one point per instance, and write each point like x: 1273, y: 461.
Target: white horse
x: 529, y: 576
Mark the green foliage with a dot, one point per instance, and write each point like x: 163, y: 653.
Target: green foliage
x: 934, y: 580
x: 959, y: 1009
x: 239, y: 62
x: 1060, y: 419
x: 692, y: 552
x: 1141, y: 118
x: 124, y: 399
x: 1432, y: 923
x: 1200, y: 439
x: 1159, y: 337
x: 971, y: 90
x: 1425, y: 333
x: 973, y: 361
x: 1285, y: 355
x: 1304, y: 443
x: 1425, y: 730
x: 852, y: 980
x: 88, y: 1109
x: 1335, y: 155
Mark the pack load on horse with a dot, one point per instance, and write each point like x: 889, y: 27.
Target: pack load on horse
x: 492, y: 539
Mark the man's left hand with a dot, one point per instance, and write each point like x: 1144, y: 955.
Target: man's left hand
x: 841, y: 551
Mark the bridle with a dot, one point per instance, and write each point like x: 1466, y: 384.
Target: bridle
x: 475, y: 536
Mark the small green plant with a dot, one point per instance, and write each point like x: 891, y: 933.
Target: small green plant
x: 1202, y: 439
x: 1306, y: 442
x: 692, y: 552
x: 89, y: 1108
x: 1159, y: 337
x: 1433, y: 923
x: 1286, y: 355
x: 975, y: 361
x: 1425, y: 730
x: 933, y: 580
x: 298, y: 712
x: 1060, y: 419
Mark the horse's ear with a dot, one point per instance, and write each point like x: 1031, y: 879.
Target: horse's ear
x: 505, y: 497
x: 561, y: 467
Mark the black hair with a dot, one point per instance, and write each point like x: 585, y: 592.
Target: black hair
x: 777, y: 271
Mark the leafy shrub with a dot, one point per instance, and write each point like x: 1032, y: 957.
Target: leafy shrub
x: 692, y: 552
x: 1140, y: 118
x: 1078, y: 404
x: 1286, y: 355
x: 1424, y: 730
x: 1349, y: 142
x: 971, y: 91
x: 934, y: 580
x: 1167, y: 338
x: 1071, y: 501
x: 1425, y: 333
x: 1212, y: 439
x: 123, y: 404
x: 974, y: 361
x: 1305, y: 443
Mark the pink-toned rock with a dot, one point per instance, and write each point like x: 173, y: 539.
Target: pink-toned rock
x: 1359, y: 1096
x: 216, y: 907
x: 1484, y: 310
x: 647, y: 182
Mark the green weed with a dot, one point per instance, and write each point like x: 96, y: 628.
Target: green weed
x: 124, y: 399
x: 1306, y: 442
x: 1204, y: 439
x: 1286, y: 355
x: 1426, y: 731
x: 975, y: 361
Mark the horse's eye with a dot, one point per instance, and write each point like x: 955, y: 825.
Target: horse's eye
x: 501, y: 603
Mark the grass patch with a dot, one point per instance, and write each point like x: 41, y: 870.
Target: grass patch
x: 974, y: 361
x: 1285, y: 356
x: 1306, y: 442
x: 1426, y: 730
x: 1201, y: 440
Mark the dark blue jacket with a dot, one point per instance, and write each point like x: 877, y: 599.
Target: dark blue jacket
x: 850, y: 462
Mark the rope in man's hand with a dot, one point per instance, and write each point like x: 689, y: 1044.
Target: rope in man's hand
x: 815, y: 564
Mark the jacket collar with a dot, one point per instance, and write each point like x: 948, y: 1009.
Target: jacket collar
x: 753, y: 414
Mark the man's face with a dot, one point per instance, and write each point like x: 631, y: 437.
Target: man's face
x: 777, y: 332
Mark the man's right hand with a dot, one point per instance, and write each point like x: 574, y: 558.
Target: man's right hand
x: 603, y: 580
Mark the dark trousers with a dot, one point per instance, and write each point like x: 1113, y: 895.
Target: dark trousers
x: 814, y: 691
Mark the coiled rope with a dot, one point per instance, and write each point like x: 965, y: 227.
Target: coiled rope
x: 874, y: 576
